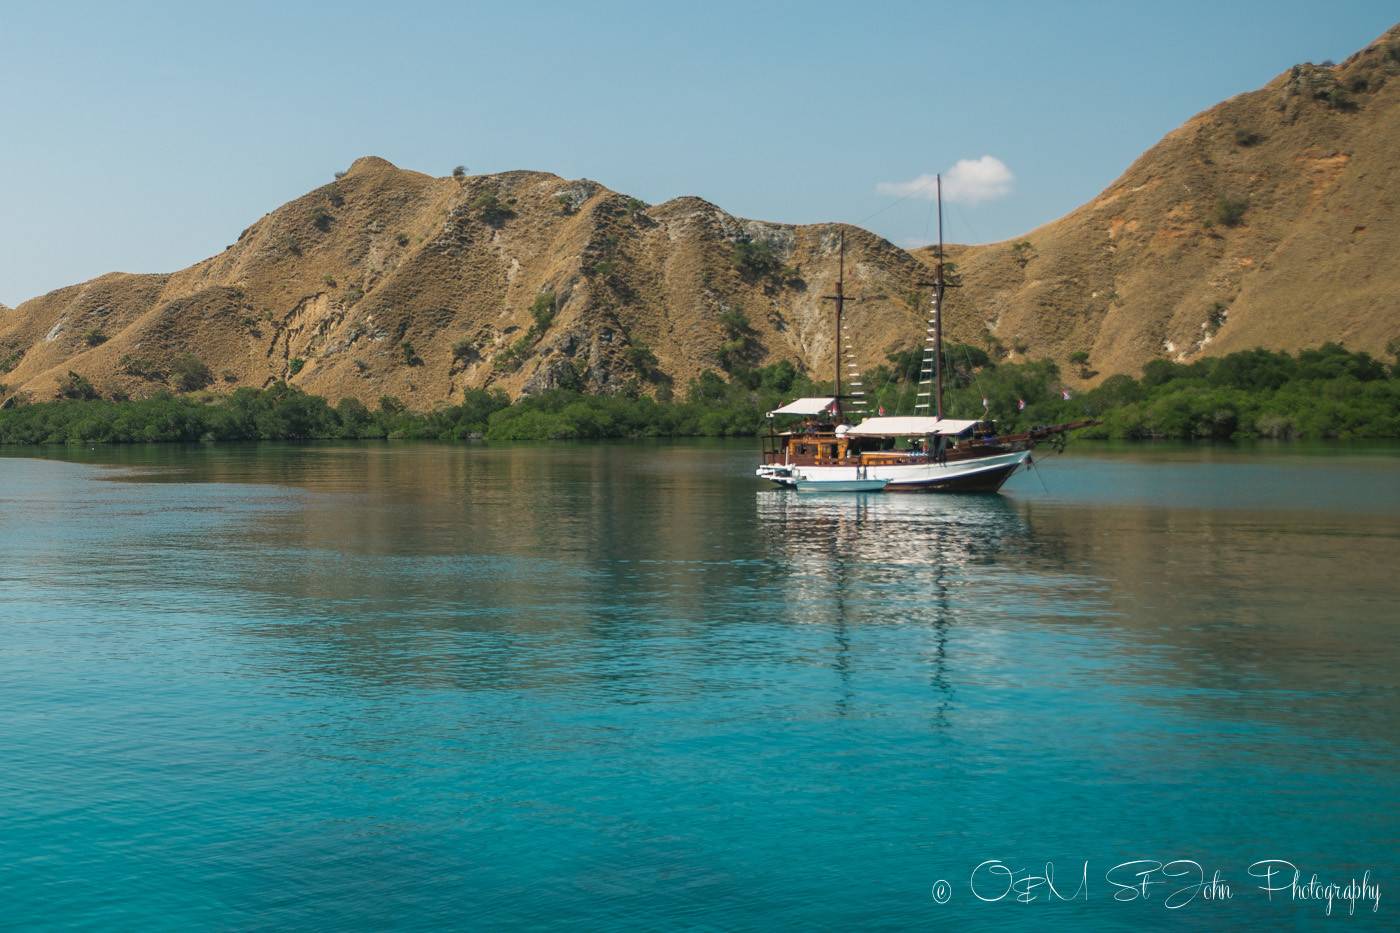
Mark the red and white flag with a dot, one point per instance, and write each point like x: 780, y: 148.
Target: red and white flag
x: 1020, y: 404
x: 984, y: 401
x: 1065, y: 395
x: 882, y: 411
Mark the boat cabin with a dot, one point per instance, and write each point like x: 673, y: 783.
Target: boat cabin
x: 819, y: 441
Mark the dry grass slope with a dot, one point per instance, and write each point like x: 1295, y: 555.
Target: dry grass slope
x: 1268, y: 221
x: 388, y: 282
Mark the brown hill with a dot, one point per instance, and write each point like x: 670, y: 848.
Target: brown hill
x: 389, y: 282
x: 1267, y: 220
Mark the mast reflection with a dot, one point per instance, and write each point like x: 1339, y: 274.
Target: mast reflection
x: 887, y: 559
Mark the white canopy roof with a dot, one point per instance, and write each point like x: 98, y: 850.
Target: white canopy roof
x: 910, y: 426
x: 804, y: 406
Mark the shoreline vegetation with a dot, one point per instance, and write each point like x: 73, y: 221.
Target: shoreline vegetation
x: 1328, y: 392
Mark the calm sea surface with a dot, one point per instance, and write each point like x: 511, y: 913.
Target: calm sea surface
x: 628, y: 687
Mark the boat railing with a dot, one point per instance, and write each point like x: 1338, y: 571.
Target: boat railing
x: 772, y: 449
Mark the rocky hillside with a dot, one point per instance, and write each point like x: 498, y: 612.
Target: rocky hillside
x: 1268, y: 220
x: 388, y: 282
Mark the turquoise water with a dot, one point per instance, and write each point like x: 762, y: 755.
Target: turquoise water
x: 627, y: 687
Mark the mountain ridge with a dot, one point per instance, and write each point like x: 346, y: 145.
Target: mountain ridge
x: 1156, y: 264
x: 343, y: 277
x: 1266, y: 220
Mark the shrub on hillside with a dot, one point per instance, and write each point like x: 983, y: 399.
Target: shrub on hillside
x: 75, y: 386
x: 542, y: 309
x: 490, y: 210
x: 641, y: 359
x: 1246, y: 136
x: 1230, y: 211
x: 190, y: 374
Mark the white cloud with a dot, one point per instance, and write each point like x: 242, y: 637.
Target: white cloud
x: 923, y: 186
x: 984, y: 179
x: 967, y: 182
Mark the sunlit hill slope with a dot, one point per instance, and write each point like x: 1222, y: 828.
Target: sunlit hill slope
x: 1269, y: 220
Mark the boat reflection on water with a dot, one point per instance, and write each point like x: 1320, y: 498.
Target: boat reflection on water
x: 925, y: 563
x: 940, y: 533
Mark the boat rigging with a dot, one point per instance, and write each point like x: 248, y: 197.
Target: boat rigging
x: 895, y: 453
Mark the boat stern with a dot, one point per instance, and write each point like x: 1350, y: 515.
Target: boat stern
x: 776, y: 473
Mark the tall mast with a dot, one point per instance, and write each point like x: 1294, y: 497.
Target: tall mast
x: 932, y: 365
x: 840, y: 300
x: 938, y: 310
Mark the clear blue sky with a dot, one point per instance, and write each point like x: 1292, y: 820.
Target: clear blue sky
x: 142, y: 137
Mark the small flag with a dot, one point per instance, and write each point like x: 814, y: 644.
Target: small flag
x: 882, y: 411
x: 1020, y: 404
x: 1065, y: 395
x: 984, y: 401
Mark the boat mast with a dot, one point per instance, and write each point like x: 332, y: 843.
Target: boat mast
x: 934, y: 367
x: 938, y: 310
x: 840, y: 300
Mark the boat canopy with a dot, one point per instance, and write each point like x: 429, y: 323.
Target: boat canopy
x: 804, y: 406
x: 910, y: 426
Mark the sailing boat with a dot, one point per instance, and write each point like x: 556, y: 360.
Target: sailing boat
x: 921, y: 452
